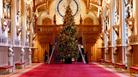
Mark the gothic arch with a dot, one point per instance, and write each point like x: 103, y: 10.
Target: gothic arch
x: 88, y: 21
x: 91, y: 18
x: 44, y: 18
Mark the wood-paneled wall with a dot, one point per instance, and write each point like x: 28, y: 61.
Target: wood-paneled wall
x: 135, y: 55
x: 96, y: 54
x: 119, y: 54
x: 109, y: 54
x: 38, y: 52
x: 102, y: 53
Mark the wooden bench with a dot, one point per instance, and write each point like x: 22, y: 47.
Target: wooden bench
x: 120, y: 65
x: 101, y: 60
x: 133, y: 69
x: 5, y: 69
x: 19, y: 65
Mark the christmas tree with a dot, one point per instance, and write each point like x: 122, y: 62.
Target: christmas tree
x: 67, y: 40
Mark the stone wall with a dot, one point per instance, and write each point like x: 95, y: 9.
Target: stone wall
x: 3, y: 55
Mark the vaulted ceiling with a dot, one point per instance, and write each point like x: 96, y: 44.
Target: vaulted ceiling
x: 48, y: 8
x: 42, y: 5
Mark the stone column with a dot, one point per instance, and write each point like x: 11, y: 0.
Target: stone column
x: 130, y: 48
x: 136, y: 17
x: 23, y: 21
x: 13, y: 21
x: 120, y: 22
x: 31, y: 25
x: 13, y: 36
x: 123, y: 32
x: 104, y: 27
x: 31, y: 35
x: 1, y: 14
x: 1, y: 8
x: 112, y: 23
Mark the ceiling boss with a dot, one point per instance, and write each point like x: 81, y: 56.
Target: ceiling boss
x: 62, y: 4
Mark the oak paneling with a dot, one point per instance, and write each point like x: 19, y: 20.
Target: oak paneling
x: 109, y: 55
x: 135, y: 55
x: 119, y: 54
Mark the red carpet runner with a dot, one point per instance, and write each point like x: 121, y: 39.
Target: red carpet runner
x: 68, y: 70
